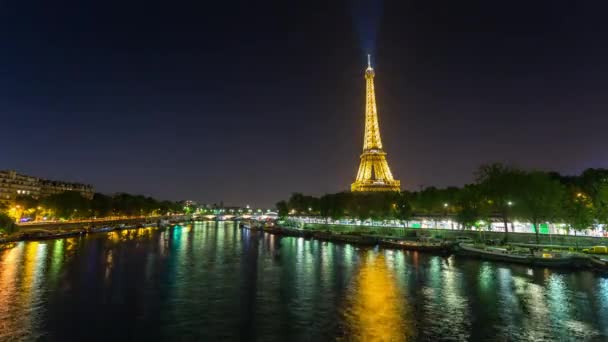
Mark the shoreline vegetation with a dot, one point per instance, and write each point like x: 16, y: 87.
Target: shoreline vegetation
x: 501, y: 195
x: 72, y: 205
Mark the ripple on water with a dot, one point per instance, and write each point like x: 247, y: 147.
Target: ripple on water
x: 211, y: 281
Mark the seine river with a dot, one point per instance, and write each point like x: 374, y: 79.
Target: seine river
x: 214, y: 281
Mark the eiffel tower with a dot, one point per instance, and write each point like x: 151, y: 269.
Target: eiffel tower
x: 374, y: 173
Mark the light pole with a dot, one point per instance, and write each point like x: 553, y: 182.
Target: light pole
x: 509, y: 205
x: 445, y: 214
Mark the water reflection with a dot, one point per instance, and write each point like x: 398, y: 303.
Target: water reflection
x: 10, y: 325
x: 376, y: 308
x: 445, y: 307
x: 214, y: 281
x: 22, y: 283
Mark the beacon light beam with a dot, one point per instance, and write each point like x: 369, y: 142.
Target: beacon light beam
x: 366, y: 16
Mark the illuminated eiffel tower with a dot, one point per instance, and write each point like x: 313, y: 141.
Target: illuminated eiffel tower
x: 374, y: 173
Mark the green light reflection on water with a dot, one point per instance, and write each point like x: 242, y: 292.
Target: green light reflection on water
x: 56, y: 260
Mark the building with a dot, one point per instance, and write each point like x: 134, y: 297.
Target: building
x: 51, y: 187
x: 13, y: 184
x: 374, y: 173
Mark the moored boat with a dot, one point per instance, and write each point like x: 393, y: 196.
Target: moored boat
x: 345, y: 238
x: 102, y: 229
x: 423, y: 245
x: 47, y: 235
x: 525, y: 257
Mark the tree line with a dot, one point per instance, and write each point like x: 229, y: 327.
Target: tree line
x: 72, y: 205
x: 500, y: 193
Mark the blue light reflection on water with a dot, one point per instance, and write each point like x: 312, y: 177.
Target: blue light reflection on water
x: 216, y: 281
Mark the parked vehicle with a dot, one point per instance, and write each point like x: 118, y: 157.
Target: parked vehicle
x: 596, y: 250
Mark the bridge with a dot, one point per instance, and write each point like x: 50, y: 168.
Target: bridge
x: 228, y: 216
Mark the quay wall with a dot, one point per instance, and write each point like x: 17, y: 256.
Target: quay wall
x: 71, y: 225
x: 400, y: 232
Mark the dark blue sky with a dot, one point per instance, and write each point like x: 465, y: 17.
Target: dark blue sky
x: 246, y: 101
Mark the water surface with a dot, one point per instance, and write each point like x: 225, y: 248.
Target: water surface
x: 211, y: 281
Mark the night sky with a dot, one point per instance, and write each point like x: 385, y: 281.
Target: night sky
x: 247, y: 101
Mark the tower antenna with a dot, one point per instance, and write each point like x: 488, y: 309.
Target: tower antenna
x: 369, y: 61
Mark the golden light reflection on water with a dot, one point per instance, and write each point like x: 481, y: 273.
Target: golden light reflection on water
x: 9, y: 263
x: 376, y: 307
x: 109, y: 264
x: 31, y: 254
x: 21, y: 282
x: 130, y: 234
x: 56, y: 259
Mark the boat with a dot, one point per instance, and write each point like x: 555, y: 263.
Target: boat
x: 422, y: 245
x: 102, y: 229
x: 598, y: 263
x: 345, y: 238
x: 287, y: 231
x: 162, y: 223
x: 47, y: 235
x: 529, y: 257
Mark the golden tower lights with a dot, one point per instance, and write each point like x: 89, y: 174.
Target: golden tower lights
x: 374, y: 173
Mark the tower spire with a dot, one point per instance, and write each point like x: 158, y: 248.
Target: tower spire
x: 374, y: 173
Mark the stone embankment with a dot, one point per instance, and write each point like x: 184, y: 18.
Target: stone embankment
x: 55, y: 230
x: 400, y: 232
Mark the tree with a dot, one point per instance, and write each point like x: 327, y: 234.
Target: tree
x: 594, y: 184
x: 101, y: 205
x: 282, y: 209
x: 601, y: 205
x: 7, y: 224
x: 68, y: 204
x: 470, y: 206
x: 500, y: 184
x: 335, y: 206
x: 404, y: 211
x: 540, y: 199
x: 577, y: 211
x: 303, y: 204
x: 187, y: 207
x: 26, y: 202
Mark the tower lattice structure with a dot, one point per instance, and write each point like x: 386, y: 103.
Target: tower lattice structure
x: 374, y: 173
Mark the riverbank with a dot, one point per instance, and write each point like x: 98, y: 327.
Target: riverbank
x: 58, y: 230
x: 575, y: 261
x: 409, y: 232
x: 70, y: 225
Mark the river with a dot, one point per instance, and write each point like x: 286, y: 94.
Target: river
x: 214, y: 281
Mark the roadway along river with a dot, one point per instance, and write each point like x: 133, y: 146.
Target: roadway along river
x: 215, y: 281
